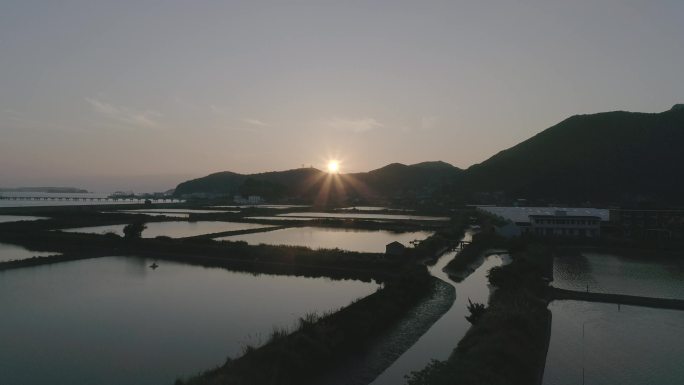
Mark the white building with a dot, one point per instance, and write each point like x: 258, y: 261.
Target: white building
x: 562, y: 225
x: 548, y: 221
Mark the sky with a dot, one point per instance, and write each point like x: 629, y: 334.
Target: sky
x: 141, y: 95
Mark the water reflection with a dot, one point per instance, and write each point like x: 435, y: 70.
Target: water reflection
x: 178, y: 211
x: 371, y: 208
x: 175, y: 229
x: 110, y: 229
x: 372, y: 241
x: 628, y: 346
x: 276, y: 207
x: 397, y: 217
x: 621, y: 345
x: 610, y: 273
x: 14, y: 253
x: 17, y: 218
x: 191, y: 229
x: 280, y: 218
x: 152, y: 214
x: 104, y: 321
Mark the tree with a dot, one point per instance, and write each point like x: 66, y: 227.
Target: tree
x: 134, y: 230
x: 476, y: 311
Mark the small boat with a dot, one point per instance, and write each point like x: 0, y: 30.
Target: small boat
x: 154, y: 265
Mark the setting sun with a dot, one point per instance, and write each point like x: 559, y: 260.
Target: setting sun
x: 333, y: 166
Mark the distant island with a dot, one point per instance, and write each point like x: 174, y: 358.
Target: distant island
x: 54, y: 190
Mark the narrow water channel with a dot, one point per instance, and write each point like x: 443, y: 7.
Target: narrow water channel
x: 444, y: 335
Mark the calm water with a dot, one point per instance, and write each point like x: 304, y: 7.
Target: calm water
x: 116, y: 229
x: 372, y: 241
x: 179, y: 211
x: 442, y: 338
x: 364, y: 208
x: 629, y: 345
x: 370, y: 208
x: 364, y: 216
x: 281, y: 218
x: 116, y: 321
x: 11, y: 253
x: 17, y: 218
x: 152, y: 214
x: 609, y: 273
x: 276, y: 207
x: 174, y: 229
x: 632, y: 346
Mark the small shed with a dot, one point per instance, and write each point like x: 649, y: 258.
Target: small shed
x: 395, y: 249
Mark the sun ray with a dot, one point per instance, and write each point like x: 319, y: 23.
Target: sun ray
x: 357, y: 186
x: 324, y: 192
x: 333, y: 166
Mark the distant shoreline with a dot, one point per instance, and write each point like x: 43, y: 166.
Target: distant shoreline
x: 51, y: 190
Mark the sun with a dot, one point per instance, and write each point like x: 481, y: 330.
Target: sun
x: 333, y: 167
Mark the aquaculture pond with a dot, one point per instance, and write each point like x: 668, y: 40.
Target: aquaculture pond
x: 444, y: 335
x: 174, y: 229
x: 14, y: 253
x: 372, y: 241
x: 396, y: 217
x: 17, y: 218
x: 152, y: 213
x: 116, y: 320
x: 611, y: 344
x: 370, y: 208
x: 642, y: 275
x: 179, y: 211
x: 275, y: 218
x: 274, y: 207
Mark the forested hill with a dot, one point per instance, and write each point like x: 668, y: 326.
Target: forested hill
x: 610, y: 157
x: 606, y: 157
x: 392, y: 180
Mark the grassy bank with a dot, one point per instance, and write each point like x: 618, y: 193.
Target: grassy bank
x: 507, y: 342
x: 302, y: 356
x: 239, y: 256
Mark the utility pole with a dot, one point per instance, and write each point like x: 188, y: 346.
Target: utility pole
x: 583, y: 355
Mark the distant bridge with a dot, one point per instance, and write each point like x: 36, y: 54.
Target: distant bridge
x: 88, y: 199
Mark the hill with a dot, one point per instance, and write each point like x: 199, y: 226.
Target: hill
x: 606, y: 158
x: 611, y: 157
x: 394, y: 180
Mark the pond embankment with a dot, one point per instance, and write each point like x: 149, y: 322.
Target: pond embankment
x: 621, y: 299
x: 363, y: 368
x: 507, y: 342
x: 319, y: 344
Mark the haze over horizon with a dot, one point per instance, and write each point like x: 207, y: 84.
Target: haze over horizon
x: 143, y: 96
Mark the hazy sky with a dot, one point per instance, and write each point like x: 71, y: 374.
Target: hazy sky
x: 141, y: 94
